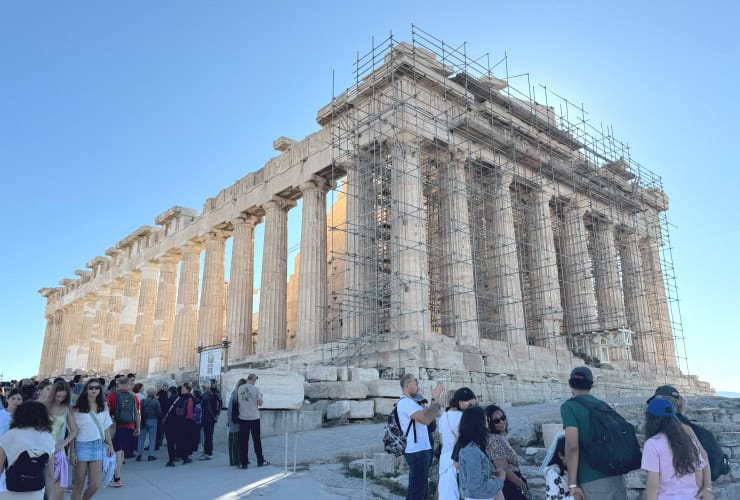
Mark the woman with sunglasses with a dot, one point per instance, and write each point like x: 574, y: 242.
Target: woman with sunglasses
x: 93, y: 439
x: 503, y: 455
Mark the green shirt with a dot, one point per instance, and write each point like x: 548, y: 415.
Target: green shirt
x: 575, y: 415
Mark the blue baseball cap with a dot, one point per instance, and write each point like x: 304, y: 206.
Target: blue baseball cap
x: 661, y: 408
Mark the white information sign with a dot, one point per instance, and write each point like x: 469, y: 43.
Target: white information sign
x: 210, y: 364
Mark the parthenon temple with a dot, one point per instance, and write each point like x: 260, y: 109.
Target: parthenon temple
x: 449, y: 220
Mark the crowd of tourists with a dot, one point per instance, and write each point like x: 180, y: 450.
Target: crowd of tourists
x: 75, y: 435
x: 586, y: 461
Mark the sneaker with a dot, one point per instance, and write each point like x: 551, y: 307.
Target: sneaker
x: 264, y: 462
x: 170, y: 464
x: 205, y: 457
x: 241, y: 466
x: 138, y: 459
x: 187, y: 461
x: 116, y: 483
x: 151, y: 459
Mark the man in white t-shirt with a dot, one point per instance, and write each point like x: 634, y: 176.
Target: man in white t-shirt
x: 418, y: 452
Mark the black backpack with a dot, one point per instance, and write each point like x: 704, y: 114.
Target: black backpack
x: 125, y: 407
x: 27, y: 473
x: 394, y: 438
x: 719, y: 463
x: 613, y: 449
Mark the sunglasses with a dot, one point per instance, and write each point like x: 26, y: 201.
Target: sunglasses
x: 499, y: 420
x: 93, y: 387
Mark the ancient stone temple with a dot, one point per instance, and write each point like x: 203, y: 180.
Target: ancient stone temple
x: 475, y: 227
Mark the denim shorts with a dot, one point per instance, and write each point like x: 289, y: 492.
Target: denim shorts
x: 89, y: 451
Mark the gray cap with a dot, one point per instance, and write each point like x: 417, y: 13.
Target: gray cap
x: 252, y: 376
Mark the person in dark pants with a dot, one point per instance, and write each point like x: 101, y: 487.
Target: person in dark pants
x: 249, y: 399
x: 211, y: 406
x: 164, y: 404
x: 178, y: 427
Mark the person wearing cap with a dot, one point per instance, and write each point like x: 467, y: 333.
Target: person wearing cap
x: 670, y: 394
x: 583, y: 479
x: 249, y: 400
x: 418, y: 453
x: 670, y: 456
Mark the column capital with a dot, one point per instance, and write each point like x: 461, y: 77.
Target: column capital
x: 193, y: 246
x: 280, y: 203
x: 149, y: 266
x: 316, y: 183
x: 216, y: 234
x: 171, y: 257
x: 573, y: 206
x: 247, y: 220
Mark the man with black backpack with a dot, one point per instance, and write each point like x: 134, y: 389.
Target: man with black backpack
x: 125, y: 410
x: 600, y: 445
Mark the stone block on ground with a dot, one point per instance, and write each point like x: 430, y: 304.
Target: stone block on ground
x: 549, y: 431
x: 281, y: 421
x: 319, y: 406
x: 363, y: 375
x: 282, y: 390
x: 337, y: 410
x: 521, y: 432
x: 336, y: 390
x: 343, y: 373
x: 362, y: 409
x: 322, y: 374
x: 362, y: 464
x: 384, y: 388
x: 384, y: 406
x: 384, y: 464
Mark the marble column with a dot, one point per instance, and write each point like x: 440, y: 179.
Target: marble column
x: 186, y: 315
x: 543, y: 272
x: 52, y: 359
x: 272, y: 330
x: 125, y: 342
x: 358, y: 310
x: 503, y: 262
x: 581, y: 315
x: 84, y: 334
x: 212, y: 311
x: 409, y: 266
x: 98, y: 329
x: 46, y: 346
x: 660, y: 315
x: 459, y: 307
x: 145, y: 316
x: 112, y: 327
x: 312, y: 283
x: 72, y: 328
x: 635, y: 298
x: 164, y: 314
x: 241, y: 286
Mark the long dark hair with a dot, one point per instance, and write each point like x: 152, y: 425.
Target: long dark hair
x: 490, y: 410
x: 473, y: 428
x: 462, y: 394
x: 31, y: 414
x: 60, y: 385
x: 685, y: 454
x: 556, y: 460
x: 83, y: 405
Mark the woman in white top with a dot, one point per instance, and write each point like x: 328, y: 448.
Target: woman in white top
x: 449, y: 423
x: 63, y: 430
x: 6, y: 414
x: 93, y: 439
x: 29, y: 432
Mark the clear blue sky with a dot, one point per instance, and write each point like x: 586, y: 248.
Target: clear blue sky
x: 111, y: 112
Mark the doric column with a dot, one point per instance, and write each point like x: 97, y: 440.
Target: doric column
x: 660, y: 315
x: 72, y: 327
x: 125, y: 341
x: 241, y: 286
x: 580, y: 312
x: 98, y: 329
x: 52, y: 359
x: 272, y: 331
x: 543, y: 271
x: 84, y: 334
x: 186, y: 316
x: 212, y: 305
x: 409, y: 266
x: 164, y: 314
x: 360, y: 262
x: 312, y: 273
x: 503, y: 262
x: 459, y: 308
x: 46, y: 346
x: 112, y: 327
x: 145, y: 316
x: 635, y: 298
